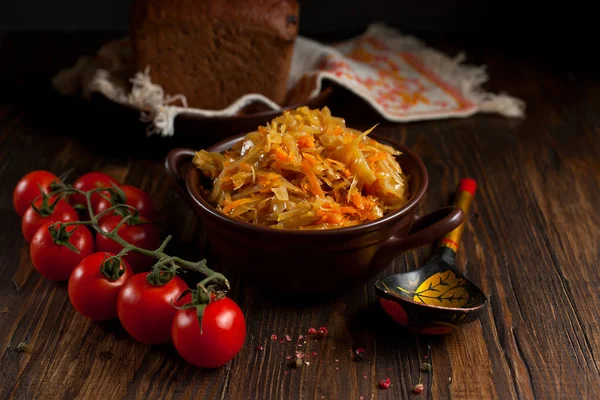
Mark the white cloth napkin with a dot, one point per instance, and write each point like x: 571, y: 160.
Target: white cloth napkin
x: 398, y: 75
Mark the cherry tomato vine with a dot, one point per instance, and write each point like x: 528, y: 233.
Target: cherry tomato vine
x: 125, y: 271
x: 211, y: 288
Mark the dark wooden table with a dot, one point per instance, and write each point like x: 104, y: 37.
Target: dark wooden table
x: 532, y: 243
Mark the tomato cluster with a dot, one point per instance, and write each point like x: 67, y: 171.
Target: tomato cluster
x: 103, y: 284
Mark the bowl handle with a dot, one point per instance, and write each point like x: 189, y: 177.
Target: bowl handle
x: 173, y: 163
x: 426, y: 229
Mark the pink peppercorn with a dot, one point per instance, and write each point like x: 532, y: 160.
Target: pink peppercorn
x: 384, y: 384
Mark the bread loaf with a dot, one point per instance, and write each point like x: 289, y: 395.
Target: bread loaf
x: 215, y: 51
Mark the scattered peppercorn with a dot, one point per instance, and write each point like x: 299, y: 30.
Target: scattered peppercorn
x: 384, y: 384
x: 273, y: 337
x: 418, y: 388
x: 259, y: 348
x: 425, y: 367
x: 297, y: 363
x: 22, y: 347
x: 323, y: 331
x: 359, y: 354
x: 312, y: 331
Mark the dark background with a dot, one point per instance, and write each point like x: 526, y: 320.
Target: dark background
x: 515, y: 21
x: 560, y: 35
x: 339, y: 16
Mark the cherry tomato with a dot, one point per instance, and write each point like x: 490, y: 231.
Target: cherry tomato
x: 222, y: 337
x: 145, y: 310
x: 27, y: 189
x: 142, y: 235
x: 32, y: 219
x: 134, y: 197
x: 93, y: 294
x: 54, y: 260
x: 89, y: 181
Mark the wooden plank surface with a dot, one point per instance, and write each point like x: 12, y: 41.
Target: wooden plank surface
x: 532, y: 243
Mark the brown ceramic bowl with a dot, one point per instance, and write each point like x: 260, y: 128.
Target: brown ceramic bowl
x: 307, y: 261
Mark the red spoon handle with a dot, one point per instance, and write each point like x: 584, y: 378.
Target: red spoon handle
x: 464, y: 198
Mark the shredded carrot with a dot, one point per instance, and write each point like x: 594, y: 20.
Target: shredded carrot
x: 281, y: 155
x: 311, y: 159
x: 315, y: 186
x: 377, y: 157
x: 235, y: 204
x: 306, y: 142
x: 357, y: 200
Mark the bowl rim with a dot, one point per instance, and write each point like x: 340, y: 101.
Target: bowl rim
x: 199, y: 200
x: 319, y: 97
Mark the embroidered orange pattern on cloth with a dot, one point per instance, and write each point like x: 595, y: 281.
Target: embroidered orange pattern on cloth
x: 405, y: 80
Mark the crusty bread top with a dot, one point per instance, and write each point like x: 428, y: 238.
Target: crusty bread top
x: 278, y: 16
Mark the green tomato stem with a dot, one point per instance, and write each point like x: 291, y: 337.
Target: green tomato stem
x: 163, y: 259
